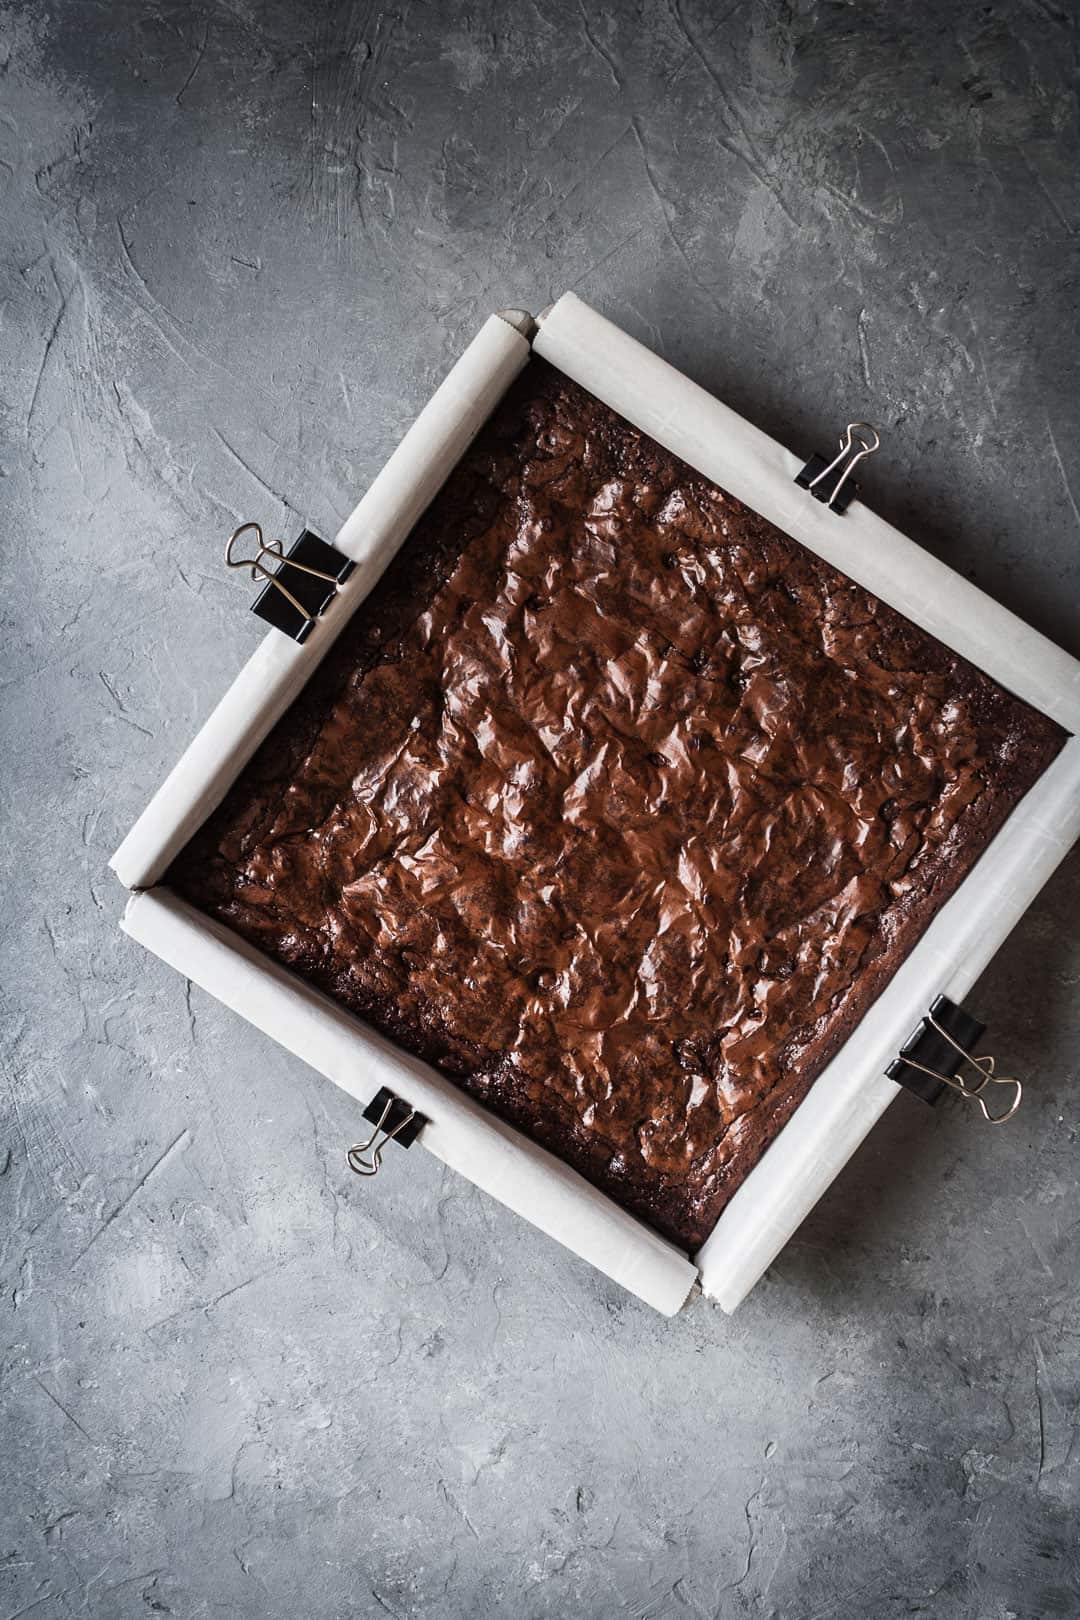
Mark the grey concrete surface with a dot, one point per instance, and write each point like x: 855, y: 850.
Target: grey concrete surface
x: 240, y: 244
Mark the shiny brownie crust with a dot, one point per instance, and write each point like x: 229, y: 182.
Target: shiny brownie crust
x: 616, y: 804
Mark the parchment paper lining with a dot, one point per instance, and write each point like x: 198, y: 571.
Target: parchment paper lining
x: 852, y: 1092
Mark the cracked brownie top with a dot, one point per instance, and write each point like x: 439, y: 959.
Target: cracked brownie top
x: 616, y: 804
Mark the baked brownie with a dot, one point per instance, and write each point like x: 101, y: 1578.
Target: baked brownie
x: 616, y: 804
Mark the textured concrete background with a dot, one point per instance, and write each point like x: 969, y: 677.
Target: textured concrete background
x: 240, y: 243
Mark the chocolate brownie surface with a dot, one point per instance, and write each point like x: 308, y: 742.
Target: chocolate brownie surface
x: 616, y: 804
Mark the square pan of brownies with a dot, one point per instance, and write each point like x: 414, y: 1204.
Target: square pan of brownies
x: 616, y: 804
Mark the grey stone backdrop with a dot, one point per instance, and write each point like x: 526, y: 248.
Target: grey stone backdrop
x: 240, y: 244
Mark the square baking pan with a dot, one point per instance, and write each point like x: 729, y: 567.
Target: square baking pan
x: 853, y: 1091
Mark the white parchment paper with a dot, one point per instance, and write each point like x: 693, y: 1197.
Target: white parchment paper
x: 852, y: 1093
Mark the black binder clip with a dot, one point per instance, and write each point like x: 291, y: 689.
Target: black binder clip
x: 394, y: 1121
x: 938, y: 1053
x: 858, y: 439
x: 314, y: 571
